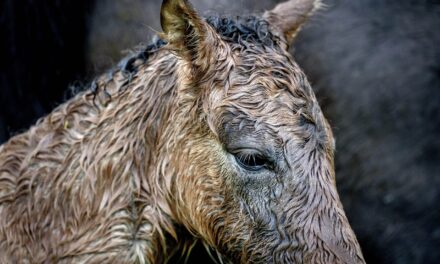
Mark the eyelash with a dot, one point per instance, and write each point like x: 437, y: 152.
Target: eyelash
x: 252, y: 161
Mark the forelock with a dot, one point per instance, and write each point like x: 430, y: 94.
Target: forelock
x: 243, y: 30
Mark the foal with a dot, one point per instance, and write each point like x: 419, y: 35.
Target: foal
x: 212, y: 134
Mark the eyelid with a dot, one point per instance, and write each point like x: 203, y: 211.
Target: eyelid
x: 245, y: 150
x: 269, y: 155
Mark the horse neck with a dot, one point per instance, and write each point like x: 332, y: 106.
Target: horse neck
x: 134, y: 110
x: 97, y: 153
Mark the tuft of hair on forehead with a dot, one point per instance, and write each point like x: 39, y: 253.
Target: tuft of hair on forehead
x: 243, y: 30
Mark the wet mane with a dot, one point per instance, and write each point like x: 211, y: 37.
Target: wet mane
x: 235, y: 30
x: 243, y: 30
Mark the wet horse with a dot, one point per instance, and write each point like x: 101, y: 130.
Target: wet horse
x: 210, y: 134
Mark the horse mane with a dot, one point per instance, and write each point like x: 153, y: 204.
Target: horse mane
x: 234, y: 30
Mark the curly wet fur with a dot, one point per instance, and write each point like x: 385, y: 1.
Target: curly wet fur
x: 120, y: 171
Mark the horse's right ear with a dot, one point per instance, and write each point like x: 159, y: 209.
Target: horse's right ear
x: 183, y: 28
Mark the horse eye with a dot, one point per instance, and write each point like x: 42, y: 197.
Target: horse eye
x: 251, y: 161
x: 277, y: 74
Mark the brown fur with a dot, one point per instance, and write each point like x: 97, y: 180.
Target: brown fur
x: 117, y: 176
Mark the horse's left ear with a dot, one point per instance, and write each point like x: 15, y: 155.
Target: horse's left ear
x: 184, y: 29
x: 288, y: 17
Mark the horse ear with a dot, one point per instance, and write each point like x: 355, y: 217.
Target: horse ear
x: 183, y: 28
x: 288, y: 17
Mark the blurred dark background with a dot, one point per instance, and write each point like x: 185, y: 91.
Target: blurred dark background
x: 374, y: 65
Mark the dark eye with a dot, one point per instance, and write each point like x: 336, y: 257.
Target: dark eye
x: 251, y: 161
x: 277, y: 74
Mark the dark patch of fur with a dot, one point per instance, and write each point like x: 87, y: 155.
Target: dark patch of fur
x: 243, y: 30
